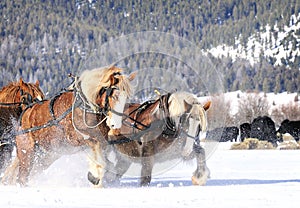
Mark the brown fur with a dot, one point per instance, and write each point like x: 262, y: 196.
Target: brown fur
x: 40, y: 148
x: 11, y: 94
x: 146, y: 143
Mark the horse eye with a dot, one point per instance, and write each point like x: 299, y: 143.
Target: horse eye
x: 30, y: 98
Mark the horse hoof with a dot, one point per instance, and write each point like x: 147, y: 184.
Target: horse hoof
x: 199, y: 181
x: 95, y: 181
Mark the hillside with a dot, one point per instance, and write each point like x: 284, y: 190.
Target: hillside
x: 270, y: 43
x: 46, y: 40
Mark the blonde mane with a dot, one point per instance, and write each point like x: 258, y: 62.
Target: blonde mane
x: 176, y: 102
x: 93, y: 80
x: 177, y: 107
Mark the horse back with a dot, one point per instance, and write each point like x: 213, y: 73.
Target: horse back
x: 40, y: 113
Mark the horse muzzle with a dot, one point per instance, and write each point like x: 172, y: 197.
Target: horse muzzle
x: 114, y: 132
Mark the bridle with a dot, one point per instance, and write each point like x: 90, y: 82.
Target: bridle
x: 26, y: 98
x: 109, y: 92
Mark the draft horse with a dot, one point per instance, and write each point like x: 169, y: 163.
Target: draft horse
x: 70, y: 121
x: 157, y: 131
x: 14, y: 98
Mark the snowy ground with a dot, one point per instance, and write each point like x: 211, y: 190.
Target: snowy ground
x: 239, y: 178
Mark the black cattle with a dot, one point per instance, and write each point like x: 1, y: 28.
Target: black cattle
x: 291, y: 127
x: 245, y: 129
x: 263, y: 128
x: 223, y: 134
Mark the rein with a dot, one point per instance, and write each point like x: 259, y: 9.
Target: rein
x: 11, y: 104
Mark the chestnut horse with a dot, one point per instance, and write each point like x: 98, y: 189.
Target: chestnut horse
x: 13, y: 99
x: 157, y: 131
x: 71, y: 121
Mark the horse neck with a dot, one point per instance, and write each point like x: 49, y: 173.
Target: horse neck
x: 9, y: 94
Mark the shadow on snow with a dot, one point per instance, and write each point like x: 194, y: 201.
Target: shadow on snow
x: 175, y: 182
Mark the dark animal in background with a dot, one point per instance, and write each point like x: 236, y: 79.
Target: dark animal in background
x: 245, y: 129
x: 223, y: 134
x: 291, y: 127
x: 263, y: 128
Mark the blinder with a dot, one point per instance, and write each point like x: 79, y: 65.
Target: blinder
x: 26, y: 98
x: 109, y: 92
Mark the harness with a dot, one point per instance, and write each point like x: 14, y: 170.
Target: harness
x: 54, y: 122
x: 138, y: 111
x: 169, y: 129
x: 167, y: 125
x: 80, y: 99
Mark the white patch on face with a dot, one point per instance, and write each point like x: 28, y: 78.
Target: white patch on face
x: 39, y: 98
x: 192, y: 131
x: 114, y: 121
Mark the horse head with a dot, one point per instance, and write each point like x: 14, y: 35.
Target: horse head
x: 121, y: 89
x: 186, y: 110
x: 29, y: 92
x: 113, y: 88
x: 21, y: 92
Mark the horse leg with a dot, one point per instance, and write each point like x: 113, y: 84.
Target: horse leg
x: 2, y: 157
x: 5, y: 156
x: 10, y: 173
x: 202, y: 173
x: 114, y: 175
x: 147, y: 164
x: 113, y: 172
x: 25, y: 153
x: 96, y: 164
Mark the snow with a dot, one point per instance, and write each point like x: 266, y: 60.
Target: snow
x: 260, y: 42
x: 239, y: 178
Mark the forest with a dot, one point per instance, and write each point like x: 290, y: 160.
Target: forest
x: 47, y: 40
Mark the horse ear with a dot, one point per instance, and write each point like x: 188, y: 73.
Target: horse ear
x: 187, y: 106
x: 132, y: 76
x: 21, y: 81
x: 206, y: 106
x: 37, y: 83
